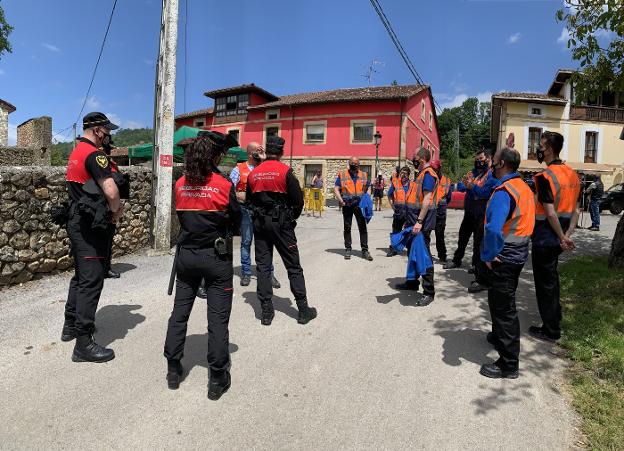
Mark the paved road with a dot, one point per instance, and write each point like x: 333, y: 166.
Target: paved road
x: 372, y: 372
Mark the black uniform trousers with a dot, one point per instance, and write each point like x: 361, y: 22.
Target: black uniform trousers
x: 193, y: 266
x: 440, y: 228
x: 427, y: 279
x: 502, y: 303
x: 465, y: 231
x: 112, y: 229
x: 269, y: 234
x: 398, y: 222
x: 545, y: 261
x: 89, y: 249
x: 347, y: 213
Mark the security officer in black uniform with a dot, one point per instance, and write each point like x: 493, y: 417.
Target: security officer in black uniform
x: 89, y: 217
x: 208, y: 212
x: 276, y: 200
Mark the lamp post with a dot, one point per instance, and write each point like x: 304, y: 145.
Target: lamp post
x: 377, y: 137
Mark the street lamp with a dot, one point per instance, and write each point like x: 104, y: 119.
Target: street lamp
x: 377, y: 137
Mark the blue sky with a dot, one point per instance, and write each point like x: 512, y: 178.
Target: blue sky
x: 461, y: 47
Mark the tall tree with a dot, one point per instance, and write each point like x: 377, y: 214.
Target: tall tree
x: 596, y: 38
x: 5, y: 31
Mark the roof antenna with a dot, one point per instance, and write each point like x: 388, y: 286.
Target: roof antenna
x: 372, y: 70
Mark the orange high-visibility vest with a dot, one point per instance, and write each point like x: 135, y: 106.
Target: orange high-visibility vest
x: 401, y: 198
x: 353, y: 189
x: 420, y: 195
x: 444, y: 186
x: 566, y: 188
x: 244, y: 171
x: 519, y: 227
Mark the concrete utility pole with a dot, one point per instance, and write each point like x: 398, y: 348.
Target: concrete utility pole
x: 457, y: 151
x: 164, y: 125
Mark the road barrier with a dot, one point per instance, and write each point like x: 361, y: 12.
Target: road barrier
x: 314, y: 200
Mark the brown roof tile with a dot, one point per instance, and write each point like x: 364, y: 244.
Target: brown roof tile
x: 346, y: 95
x: 240, y: 90
x: 204, y: 112
x: 529, y: 96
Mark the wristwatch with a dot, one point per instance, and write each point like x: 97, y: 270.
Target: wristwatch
x: 419, y: 221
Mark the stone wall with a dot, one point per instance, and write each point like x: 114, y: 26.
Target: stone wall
x: 31, y: 245
x: 4, y: 127
x: 36, y: 134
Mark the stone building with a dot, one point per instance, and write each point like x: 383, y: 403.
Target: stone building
x: 34, y: 141
x: 5, y: 109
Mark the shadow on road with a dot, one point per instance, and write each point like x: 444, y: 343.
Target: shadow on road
x: 123, y: 267
x: 115, y: 321
x: 283, y: 305
x: 408, y: 298
x: 196, y: 351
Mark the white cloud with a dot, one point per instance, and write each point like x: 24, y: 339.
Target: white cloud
x: 51, y: 47
x: 133, y: 124
x: 563, y: 38
x: 12, y: 134
x: 456, y: 100
x: 92, y: 103
x: 514, y: 38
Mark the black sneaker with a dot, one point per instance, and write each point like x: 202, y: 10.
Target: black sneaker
x: 493, y: 371
x: 87, y: 350
x: 110, y: 274
x: 451, y: 265
x: 347, y: 254
x: 425, y: 300
x: 69, y: 332
x: 538, y: 332
x: 476, y: 287
x: 275, y: 283
x: 174, y: 374
x: 594, y: 229
x: 471, y: 270
x: 367, y: 256
x: 392, y: 253
x: 268, y: 313
x: 216, y: 388
x: 245, y: 280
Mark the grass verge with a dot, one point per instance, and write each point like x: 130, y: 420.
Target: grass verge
x: 593, y: 324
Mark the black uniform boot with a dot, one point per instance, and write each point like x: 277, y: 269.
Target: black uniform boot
x: 174, y: 373
x: 69, y: 331
x: 87, y: 350
x: 268, y: 313
x: 306, y: 314
x: 218, y: 385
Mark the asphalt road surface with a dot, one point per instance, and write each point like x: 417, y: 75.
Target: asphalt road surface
x: 373, y: 371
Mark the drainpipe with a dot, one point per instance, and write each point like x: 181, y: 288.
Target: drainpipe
x: 292, y: 132
x: 400, y: 131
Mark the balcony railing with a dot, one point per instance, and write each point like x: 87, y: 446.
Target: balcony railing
x: 597, y: 114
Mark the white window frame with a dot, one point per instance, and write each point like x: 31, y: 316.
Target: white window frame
x: 525, y: 144
x: 362, y: 121
x: 240, y: 133
x: 422, y: 142
x: 542, y: 108
x: 596, y: 129
x: 269, y: 112
x: 305, y: 133
x: 430, y: 121
x: 423, y: 110
x: 264, y: 131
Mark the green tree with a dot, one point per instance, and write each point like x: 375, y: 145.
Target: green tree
x: 5, y: 31
x: 596, y: 39
x: 596, y: 29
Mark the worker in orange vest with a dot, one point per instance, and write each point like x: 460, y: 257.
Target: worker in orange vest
x: 349, y: 188
x: 421, y: 216
x: 443, y: 197
x: 558, y: 194
x: 255, y: 155
x: 509, y: 222
x: 400, y: 190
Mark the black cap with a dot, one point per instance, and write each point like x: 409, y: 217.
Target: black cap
x: 96, y: 119
x: 275, y: 144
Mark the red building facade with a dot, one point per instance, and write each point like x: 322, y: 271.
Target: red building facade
x: 323, y: 129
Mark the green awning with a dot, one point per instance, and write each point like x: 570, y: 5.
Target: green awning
x: 147, y: 150
x: 238, y: 153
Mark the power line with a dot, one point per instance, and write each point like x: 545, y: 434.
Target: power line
x: 397, y: 43
x: 110, y: 20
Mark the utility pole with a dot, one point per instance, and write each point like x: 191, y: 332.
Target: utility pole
x: 457, y: 152
x: 74, y: 127
x: 162, y: 159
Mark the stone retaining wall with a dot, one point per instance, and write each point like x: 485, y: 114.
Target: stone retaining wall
x: 31, y: 245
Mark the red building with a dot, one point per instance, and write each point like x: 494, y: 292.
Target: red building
x: 323, y: 129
